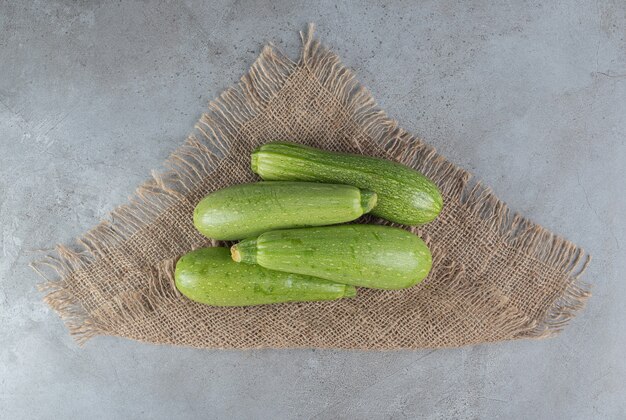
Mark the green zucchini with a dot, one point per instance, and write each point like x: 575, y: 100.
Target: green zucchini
x: 246, y: 210
x: 375, y: 256
x: 404, y: 195
x: 210, y: 276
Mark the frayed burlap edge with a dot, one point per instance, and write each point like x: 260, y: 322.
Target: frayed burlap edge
x: 207, y: 149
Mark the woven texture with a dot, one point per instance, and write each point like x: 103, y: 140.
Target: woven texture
x: 496, y: 275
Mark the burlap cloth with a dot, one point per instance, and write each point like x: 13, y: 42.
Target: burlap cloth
x: 496, y: 276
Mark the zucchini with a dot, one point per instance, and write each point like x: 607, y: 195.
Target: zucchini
x: 404, y: 195
x: 210, y: 276
x: 375, y: 256
x: 246, y: 210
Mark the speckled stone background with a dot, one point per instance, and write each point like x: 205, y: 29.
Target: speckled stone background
x: 529, y: 96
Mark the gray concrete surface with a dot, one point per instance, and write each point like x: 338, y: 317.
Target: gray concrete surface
x: 530, y: 96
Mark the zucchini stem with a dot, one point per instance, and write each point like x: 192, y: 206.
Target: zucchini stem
x: 368, y: 200
x: 254, y: 161
x: 349, y: 291
x: 244, y: 251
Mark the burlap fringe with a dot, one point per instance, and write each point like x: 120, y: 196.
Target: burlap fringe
x: 455, y: 182
x: 208, y: 149
x: 59, y: 293
x: 204, y: 153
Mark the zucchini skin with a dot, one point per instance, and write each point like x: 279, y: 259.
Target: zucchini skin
x: 210, y: 276
x: 374, y: 256
x: 404, y: 195
x: 246, y: 210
